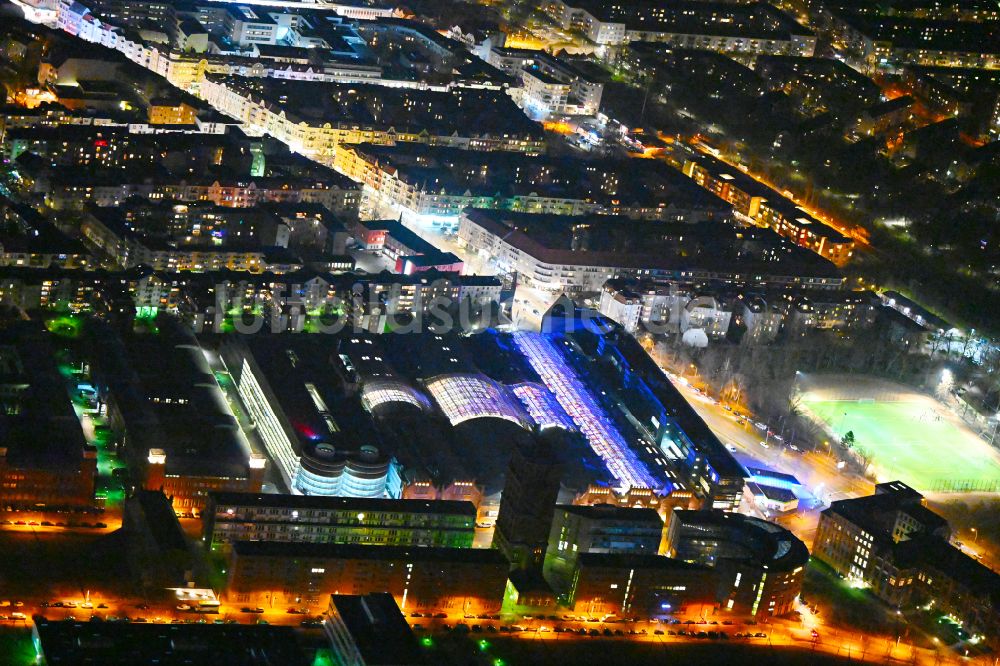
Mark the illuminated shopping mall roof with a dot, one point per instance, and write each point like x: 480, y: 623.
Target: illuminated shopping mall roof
x: 383, y: 392
x: 463, y: 397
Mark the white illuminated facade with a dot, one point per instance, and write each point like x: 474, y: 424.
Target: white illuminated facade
x: 366, y: 473
x: 277, y: 442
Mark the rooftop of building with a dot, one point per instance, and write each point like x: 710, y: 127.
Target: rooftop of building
x: 622, y: 242
x: 793, y: 213
x: 636, y: 561
x: 914, y: 33
x: 478, y: 112
x: 169, y: 399
x: 611, y: 512
x: 38, y: 426
x: 752, y: 20
x: 430, y: 260
x: 824, y: 71
x: 765, y: 543
x: 26, y: 230
x: 360, y: 504
x: 612, y: 183
x: 125, y: 644
x: 161, y: 520
x: 876, y: 514
x: 377, y: 629
x: 307, y: 381
x: 909, y: 306
x: 896, y: 6
x: 938, y: 554
x: 764, y: 474
x: 530, y: 581
x: 402, y: 235
x: 771, y: 493
x: 889, y: 106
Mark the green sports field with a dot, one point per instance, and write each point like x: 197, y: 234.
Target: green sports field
x: 914, y: 441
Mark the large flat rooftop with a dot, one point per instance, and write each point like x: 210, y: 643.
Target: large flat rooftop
x: 369, y: 106
x: 613, y: 241
x: 38, y: 426
x: 751, y: 20
x: 612, y: 183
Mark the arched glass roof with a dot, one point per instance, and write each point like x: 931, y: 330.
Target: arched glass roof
x: 389, y: 391
x: 463, y: 397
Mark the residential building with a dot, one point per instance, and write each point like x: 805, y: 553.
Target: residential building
x: 433, y: 185
x: 579, y: 529
x: 858, y: 537
x: 621, y: 304
x: 892, y: 41
x: 281, y: 575
x: 629, y: 584
x: 550, y: 85
x: 891, y: 543
x: 760, y: 564
x: 29, y: 240
x: 168, y: 111
x: 719, y: 26
x: 231, y: 517
x: 360, y: 113
x: 760, y: 205
x: 574, y: 254
x: 45, y: 461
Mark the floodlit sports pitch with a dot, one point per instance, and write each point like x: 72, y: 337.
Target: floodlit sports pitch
x: 912, y: 438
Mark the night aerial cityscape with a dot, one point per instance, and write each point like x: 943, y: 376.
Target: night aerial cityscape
x: 499, y: 332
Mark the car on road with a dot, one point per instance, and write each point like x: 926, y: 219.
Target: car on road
x: 814, y: 633
x: 731, y: 448
x: 247, y: 609
x: 764, y: 444
x: 183, y: 607
x: 759, y: 425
